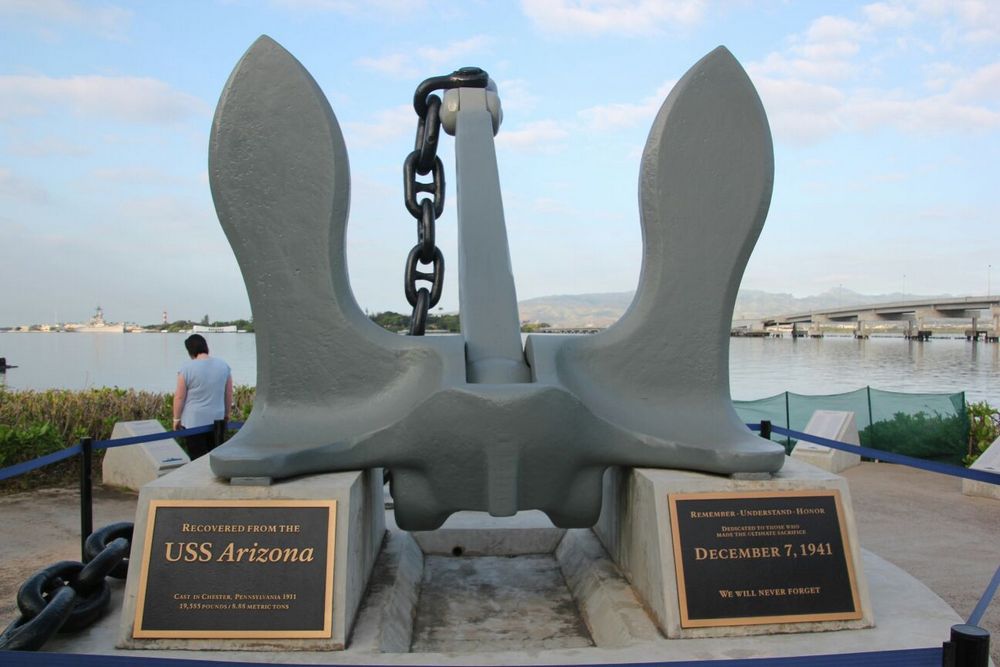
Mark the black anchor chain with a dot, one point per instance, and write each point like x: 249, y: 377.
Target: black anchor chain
x: 423, y: 161
x: 69, y: 596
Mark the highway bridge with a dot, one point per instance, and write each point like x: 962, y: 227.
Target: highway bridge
x: 980, y: 310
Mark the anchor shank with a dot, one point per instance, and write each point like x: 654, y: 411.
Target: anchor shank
x: 487, y: 299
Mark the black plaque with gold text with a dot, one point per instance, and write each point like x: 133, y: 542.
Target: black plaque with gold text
x: 237, y: 568
x: 750, y: 558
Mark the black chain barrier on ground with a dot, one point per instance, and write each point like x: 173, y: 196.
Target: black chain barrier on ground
x: 69, y: 596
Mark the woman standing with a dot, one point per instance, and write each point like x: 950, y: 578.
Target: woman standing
x: 204, y: 393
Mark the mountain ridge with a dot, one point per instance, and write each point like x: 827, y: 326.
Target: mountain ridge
x: 604, y: 309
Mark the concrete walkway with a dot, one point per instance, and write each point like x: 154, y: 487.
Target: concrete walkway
x: 917, y: 520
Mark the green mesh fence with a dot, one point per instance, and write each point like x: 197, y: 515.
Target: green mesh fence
x: 927, y: 426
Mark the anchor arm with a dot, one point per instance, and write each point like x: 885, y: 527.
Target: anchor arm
x: 704, y: 190
x: 280, y: 180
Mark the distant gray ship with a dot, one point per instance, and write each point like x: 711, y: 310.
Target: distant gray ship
x: 96, y: 324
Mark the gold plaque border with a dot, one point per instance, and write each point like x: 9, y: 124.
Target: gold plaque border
x: 687, y: 622
x: 327, y: 632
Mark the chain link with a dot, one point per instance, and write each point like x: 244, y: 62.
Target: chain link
x: 69, y: 596
x: 423, y: 161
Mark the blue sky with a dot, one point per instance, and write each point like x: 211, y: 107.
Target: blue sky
x: 885, y: 118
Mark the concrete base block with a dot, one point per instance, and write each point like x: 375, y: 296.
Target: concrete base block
x: 132, y: 466
x: 635, y: 529
x: 360, y: 530
x: 516, y: 622
x: 982, y: 489
x: 990, y: 462
x: 834, y: 425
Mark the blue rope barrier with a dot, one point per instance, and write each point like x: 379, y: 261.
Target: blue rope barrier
x: 921, y: 657
x: 136, y: 439
x: 42, y: 461
x: 890, y: 457
x: 27, y: 466
x: 984, y: 601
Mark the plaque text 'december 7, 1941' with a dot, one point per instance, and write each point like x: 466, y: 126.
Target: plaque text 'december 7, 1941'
x: 237, y: 568
x: 750, y: 558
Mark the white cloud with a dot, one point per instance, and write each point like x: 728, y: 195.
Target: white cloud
x: 625, y: 114
x: 539, y: 135
x: 20, y: 188
x: 619, y: 115
x: 128, y: 99
x: 825, y: 51
x: 393, y: 64
x: 981, y: 85
x: 354, y: 7
x: 968, y: 21
x: 108, y: 21
x: 138, y: 174
x: 515, y: 95
x: 929, y: 114
x: 419, y: 61
x: 800, y: 112
x: 46, y: 147
x: 889, y: 14
x: 628, y: 17
x: 390, y: 124
x: 822, y: 83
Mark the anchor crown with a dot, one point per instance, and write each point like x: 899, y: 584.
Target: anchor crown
x: 475, y: 421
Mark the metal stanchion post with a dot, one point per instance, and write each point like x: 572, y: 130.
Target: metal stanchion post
x: 218, y: 432
x: 86, y: 491
x: 969, y: 646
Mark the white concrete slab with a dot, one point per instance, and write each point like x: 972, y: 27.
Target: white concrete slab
x: 132, y: 466
x: 834, y: 425
x: 989, y: 461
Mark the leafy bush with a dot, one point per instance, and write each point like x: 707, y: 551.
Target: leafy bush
x: 35, y: 423
x: 25, y: 444
x: 920, y: 435
x: 984, y: 428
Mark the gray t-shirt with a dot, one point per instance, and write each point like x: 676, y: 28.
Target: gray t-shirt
x: 205, y: 380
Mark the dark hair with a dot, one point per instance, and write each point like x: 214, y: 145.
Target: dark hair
x: 196, y: 344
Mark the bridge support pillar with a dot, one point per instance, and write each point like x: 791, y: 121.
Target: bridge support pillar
x: 973, y: 334
x: 860, y: 330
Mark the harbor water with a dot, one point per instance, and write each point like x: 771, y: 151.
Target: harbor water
x: 759, y: 367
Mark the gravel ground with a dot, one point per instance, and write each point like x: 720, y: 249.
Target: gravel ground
x: 919, y: 521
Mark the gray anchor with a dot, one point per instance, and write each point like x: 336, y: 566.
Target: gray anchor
x: 473, y: 421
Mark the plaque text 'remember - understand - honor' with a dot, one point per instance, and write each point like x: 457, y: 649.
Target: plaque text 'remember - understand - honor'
x: 762, y: 557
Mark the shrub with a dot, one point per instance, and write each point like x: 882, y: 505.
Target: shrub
x: 984, y: 428
x: 34, y: 423
x: 920, y: 435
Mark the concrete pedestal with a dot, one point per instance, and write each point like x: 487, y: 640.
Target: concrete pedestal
x: 360, y: 529
x: 635, y: 528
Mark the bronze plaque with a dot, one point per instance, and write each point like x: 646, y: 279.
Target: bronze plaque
x: 750, y: 558
x: 237, y: 568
